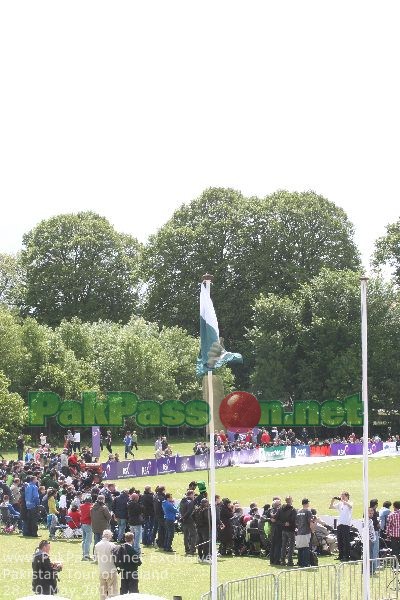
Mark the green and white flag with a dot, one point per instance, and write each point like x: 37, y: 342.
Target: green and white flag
x: 212, y: 352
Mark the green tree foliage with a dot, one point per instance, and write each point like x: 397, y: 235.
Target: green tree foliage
x: 14, y: 414
x: 11, y: 281
x: 250, y: 245
x: 387, y: 250
x: 78, y: 265
x: 308, y: 345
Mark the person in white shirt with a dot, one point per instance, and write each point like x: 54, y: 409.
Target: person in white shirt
x: 103, y: 553
x: 77, y: 441
x: 42, y: 439
x: 345, y: 508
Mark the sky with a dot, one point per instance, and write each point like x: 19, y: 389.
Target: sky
x: 132, y: 108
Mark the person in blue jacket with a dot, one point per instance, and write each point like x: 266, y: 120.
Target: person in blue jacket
x: 32, y: 502
x: 170, y: 512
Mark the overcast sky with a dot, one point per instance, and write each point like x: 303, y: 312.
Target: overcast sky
x: 132, y: 108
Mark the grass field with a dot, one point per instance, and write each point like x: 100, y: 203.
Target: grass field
x: 176, y: 574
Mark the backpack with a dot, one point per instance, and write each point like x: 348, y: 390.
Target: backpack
x: 313, y: 559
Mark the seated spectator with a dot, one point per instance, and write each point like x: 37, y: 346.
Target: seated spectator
x: 74, y: 513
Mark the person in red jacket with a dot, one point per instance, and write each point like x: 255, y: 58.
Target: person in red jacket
x: 265, y: 438
x: 75, y: 515
x: 86, y: 524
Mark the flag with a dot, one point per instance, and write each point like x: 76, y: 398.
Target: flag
x: 212, y: 352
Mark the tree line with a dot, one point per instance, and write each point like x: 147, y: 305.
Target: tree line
x: 83, y: 306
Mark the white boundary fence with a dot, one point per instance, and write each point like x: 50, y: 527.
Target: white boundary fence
x: 328, y: 582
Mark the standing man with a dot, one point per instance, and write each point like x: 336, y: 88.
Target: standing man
x: 120, y: 509
x: 303, y: 523
x: 345, y: 508
x: 86, y: 525
x: 20, y: 447
x: 393, y: 529
x: 147, y: 500
x: 104, y: 556
x: 128, y: 444
x: 77, y: 441
x: 101, y: 517
x: 134, y: 440
x: 44, y: 576
x: 286, y: 515
x: 186, y: 509
x: 128, y: 562
x: 136, y: 520
x: 170, y: 512
x: 32, y: 502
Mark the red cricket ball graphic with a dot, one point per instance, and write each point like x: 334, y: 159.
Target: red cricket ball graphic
x: 240, y: 411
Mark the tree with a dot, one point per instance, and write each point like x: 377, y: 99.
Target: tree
x: 11, y: 281
x: 387, y: 250
x: 78, y: 265
x: 14, y: 414
x: 308, y: 345
x: 250, y: 245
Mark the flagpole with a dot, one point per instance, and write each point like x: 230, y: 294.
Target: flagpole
x: 214, y: 564
x: 364, y: 351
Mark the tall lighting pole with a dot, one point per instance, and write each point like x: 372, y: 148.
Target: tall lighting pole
x: 364, y: 352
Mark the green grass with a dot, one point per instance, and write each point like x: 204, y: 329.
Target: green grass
x: 168, y: 575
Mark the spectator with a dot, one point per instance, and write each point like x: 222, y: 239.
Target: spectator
x: 136, y: 520
x: 286, y: 516
x: 77, y: 441
x: 170, y: 512
x: 128, y: 562
x: 20, y: 447
x: 202, y: 519
x: 44, y: 576
x: 226, y: 529
x: 384, y: 513
x: 148, y: 511
x: 104, y: 556
x: 393, y: 529
x: 100, y: 517
x: 86, y: 525
x: 186, y: 510
x: 120, y: 509
x: 303, y: 537
x: 345, y: 507
x: 32, y: 502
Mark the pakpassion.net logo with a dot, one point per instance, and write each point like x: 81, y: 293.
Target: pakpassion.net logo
x: 238, y: 411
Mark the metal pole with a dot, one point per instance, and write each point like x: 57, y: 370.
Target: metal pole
x: 364, y: 351
x: 214, y: 564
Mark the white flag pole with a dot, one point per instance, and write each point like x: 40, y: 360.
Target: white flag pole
x: 214, y: 564
x: 364, y: 350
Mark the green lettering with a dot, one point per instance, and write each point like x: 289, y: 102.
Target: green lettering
x: 70, y: 413
x: 306, y: 413
x: 332, y: 413
x: 173, y: 413
x: 354, y: 410
x: 271, y: 413
x: 41, y: 406
x: 148, y: 414
x: 120, y: 405
x: 197, y: 413
x: 94, y: 411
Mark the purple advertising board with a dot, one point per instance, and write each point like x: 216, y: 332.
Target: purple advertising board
x: 96, y: 441
x: 184, y: 464
x: 166, y: 465
x: 354, y: 449
x: 223, y: 459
